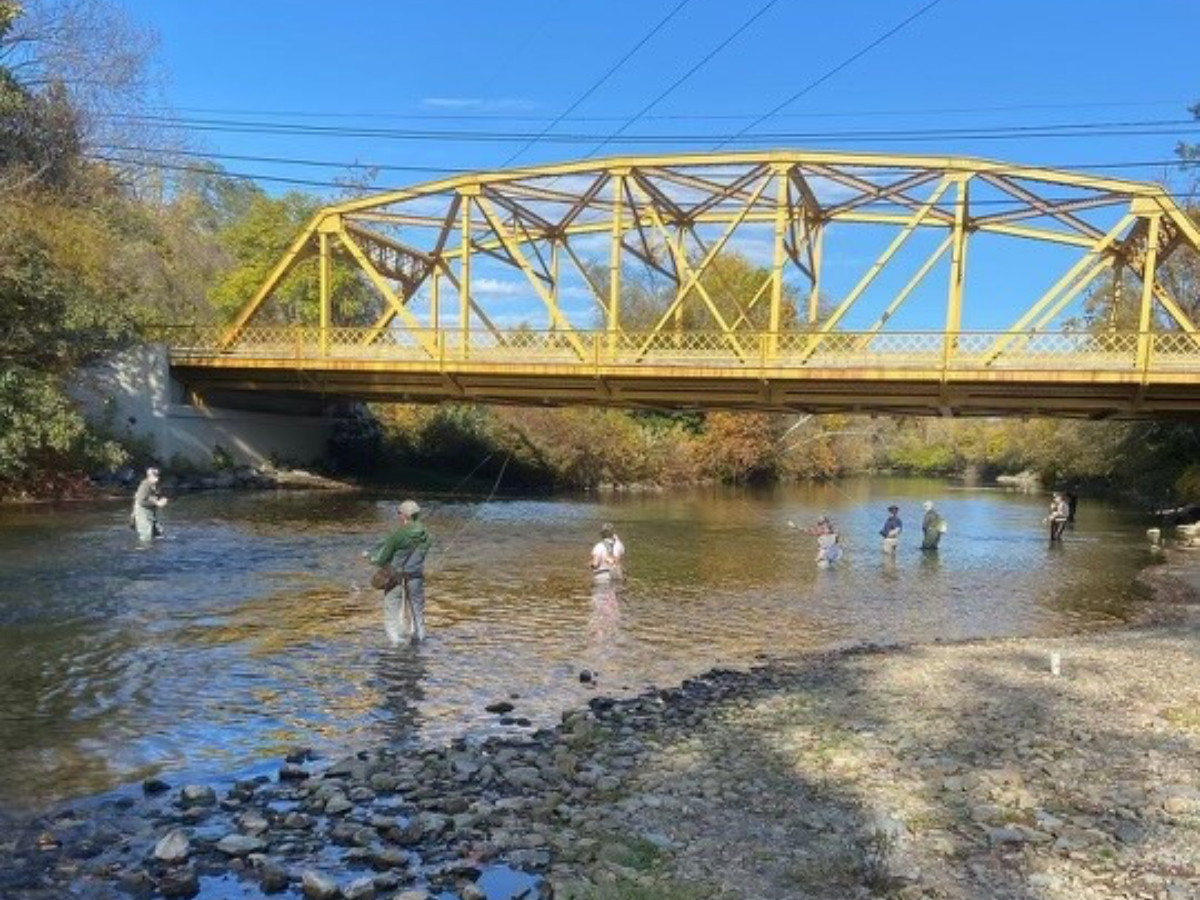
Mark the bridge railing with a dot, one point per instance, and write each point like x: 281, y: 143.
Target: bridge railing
x: 1168, y: 351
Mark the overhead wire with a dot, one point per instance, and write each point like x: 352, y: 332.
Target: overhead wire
x: 1110, y: 128
x: 458, y: 170
x: 680, y: 117
x: 678, y: 82
x: 600, y: 82
x: 341, y: 185
x: 828, y: 74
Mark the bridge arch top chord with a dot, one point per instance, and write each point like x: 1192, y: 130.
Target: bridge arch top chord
x: 579, y: 229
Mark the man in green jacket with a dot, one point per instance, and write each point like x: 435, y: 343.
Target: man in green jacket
x: 404, y: 552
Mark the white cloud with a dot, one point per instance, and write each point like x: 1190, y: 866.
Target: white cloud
x: 498, y: 287
x: 480, y: 104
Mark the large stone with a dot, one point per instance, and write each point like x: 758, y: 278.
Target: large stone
x: 181, y: 882
x: 360, y: 889
x: 524, y: 777
x: 253, y: 822
x: 198, y: 795
x: 273, y: 878
x: 240, y: 845
x: 319, y: 887
x: 173, y: 847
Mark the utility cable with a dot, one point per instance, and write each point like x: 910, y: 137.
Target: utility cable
x: 684, y: 77
x: 388, y: 167
x: 906, y: 112
x: 307, y: 182
x: 1121, y: 128
x: 850, y: 60
x: 596, y: 85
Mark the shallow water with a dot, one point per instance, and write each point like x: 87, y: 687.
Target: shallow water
x: 251, y: 629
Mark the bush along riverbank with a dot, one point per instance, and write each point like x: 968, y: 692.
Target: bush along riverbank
x: 1051, y: 768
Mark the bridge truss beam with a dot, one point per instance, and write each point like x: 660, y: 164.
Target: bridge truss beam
x: 572, y: 237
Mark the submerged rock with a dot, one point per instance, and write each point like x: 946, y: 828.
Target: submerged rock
x: 319, y: 887
x: 240, y: 845
x: 179, y: 883
x: 173, y: 847
x: 198, y: 795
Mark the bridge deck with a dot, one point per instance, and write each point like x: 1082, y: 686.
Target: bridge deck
x: 1106, y: 374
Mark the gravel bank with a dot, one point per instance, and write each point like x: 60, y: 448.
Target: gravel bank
x: 943, y: 771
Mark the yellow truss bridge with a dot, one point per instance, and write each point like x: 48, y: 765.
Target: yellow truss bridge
x: 1111, y: 332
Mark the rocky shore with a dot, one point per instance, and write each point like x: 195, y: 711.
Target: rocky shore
x: 960, y: 771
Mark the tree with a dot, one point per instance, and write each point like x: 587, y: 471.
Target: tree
x: 257, y: 240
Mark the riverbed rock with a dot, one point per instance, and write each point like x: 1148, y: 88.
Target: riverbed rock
x: 197, y: 795
x: 173, y: 847
x: 293, y: 772
x: 179, y: 882
x: 317, y: 886
x: 152, y: 787
x: 359, y: 889
x: 240, y: 845
x: 273, y: 878
x: 500, y: 708
x: 253, y: 823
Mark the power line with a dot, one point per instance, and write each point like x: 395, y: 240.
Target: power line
x: 596, y: 85
x: 682, y: 78
x: 1055, y: 129
x: 812, y: 85
x: 452, y: 170
x: 682, y: 117
x: 203, y: 170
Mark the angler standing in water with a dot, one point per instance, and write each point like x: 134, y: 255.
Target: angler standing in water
x: 146, y: 504
x: 1057, y: 519
x: 890, y: 532
x: 933, y: 526
x: 829, y: 546
x: 608, y: 556
x: 401, y: 576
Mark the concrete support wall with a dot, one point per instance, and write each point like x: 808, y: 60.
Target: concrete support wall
x: 134, y: 394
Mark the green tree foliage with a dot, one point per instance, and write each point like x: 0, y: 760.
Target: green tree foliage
x: 256, y: 241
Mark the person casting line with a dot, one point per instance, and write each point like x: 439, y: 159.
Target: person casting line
x: 146, y: 504
x: 401, y: 560
x: 890, y: 532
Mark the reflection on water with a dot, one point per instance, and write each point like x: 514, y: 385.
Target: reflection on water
x: 252, y: 629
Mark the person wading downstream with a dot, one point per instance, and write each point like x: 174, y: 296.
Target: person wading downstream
x: 401, y: 560
x: 146, y: 504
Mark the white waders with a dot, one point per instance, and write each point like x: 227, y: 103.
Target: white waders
x: 404, y: 610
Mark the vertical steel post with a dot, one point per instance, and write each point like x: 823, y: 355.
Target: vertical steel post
x: 781, y: 221
x: 1147, y: 308
x: 464, y: 278
x: 613, y: 323
x: 325, y: 278
x: 435, y: 298
x: 958, y: 268
x: 816, y: 234
x: 555, y: 295
x: 1118, y: 294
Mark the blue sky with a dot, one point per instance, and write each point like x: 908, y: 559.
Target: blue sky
x: 505, y: 67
